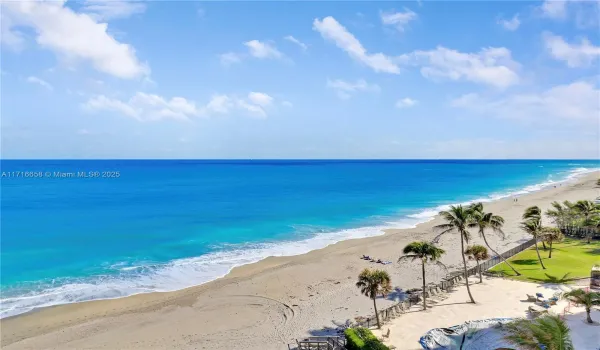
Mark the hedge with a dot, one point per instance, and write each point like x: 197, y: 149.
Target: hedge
x: 362, y: 339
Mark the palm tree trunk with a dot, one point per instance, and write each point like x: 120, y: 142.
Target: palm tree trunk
x: 424, y: 284
x: 376, y: 314
x: 544, y: 245
x: 462, y: 252
x: 550, y: 253
x: 501, y: 257
x: 589, y: 316
x: 479, y: 269
x: 538, y: 253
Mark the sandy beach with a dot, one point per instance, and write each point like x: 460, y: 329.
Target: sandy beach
x: 268, y: 304
x: 496, y: 298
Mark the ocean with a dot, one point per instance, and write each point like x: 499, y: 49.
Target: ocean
x: 78, y: 230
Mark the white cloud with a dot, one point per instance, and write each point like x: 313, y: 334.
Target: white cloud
x: 10, y: 37
x: 398, y: 19
x: 252, y: 108
x: 556, y: 9
x: 112, y: 9
x: 150, y: 107
x: 261, y: 99
x: 262, y: 50
x: 406, y: 102
x: 491, y: 66
x: 75, y: 36
x: 145, y: 107
x: 230, y: 58
x: 287, y: 104
x: 575, y: 55
x: 578, y: 101
x: 510, y: 24
x: 221, y: 104
x: 345, y: 89
x: 302, y: 45
x: 331, y: 30
x: 43, y: 83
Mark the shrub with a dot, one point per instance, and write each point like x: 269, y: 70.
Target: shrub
x: 362, y: 339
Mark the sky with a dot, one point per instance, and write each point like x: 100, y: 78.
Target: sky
x: 250, y: 80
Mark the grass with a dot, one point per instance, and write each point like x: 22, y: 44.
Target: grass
x: 571, y: 259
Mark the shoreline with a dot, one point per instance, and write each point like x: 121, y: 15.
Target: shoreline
x: 289, y: 248
x: 285, y: 287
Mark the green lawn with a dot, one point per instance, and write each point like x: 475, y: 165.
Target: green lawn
x: 571, y: 256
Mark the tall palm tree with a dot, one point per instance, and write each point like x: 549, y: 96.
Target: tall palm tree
x: 534, y: 213
x: 426, y: 252
x: 588, y: 210
x: 551, y: 235
x: 585, y: 298
x: 560, y: 214
x: 487, y: 221
x: 534, y: 228
x: 458, y: 219
x: 547, y: 332
x: 373, y: 283
x: 479, y: 253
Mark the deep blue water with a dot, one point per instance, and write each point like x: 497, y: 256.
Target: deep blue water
x: 165, y: 225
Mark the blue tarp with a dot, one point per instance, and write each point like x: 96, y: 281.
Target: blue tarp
x: 471, y: 335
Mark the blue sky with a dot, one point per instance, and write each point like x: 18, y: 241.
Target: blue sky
x: 116, y: 79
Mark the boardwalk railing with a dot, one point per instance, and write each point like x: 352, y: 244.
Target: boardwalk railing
x: 446, y: 285
x: 321, y: 343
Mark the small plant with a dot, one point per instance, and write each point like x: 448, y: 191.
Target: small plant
x: 546, y: 332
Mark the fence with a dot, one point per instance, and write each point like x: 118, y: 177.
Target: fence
x: 396, y: 310
x: 580, y: 232
x: 445, y: 285
x: 321, y: 343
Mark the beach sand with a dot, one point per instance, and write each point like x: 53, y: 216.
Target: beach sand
x: 495, y: 298
x: 264, y: 305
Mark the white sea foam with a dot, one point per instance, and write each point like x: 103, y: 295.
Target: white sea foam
x: 182, y: 273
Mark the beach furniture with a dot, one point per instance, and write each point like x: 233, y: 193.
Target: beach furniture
x: 536, y: 310
x: 531, y: 298
x: 539, y: 296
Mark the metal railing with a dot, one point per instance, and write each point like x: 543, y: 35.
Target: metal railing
x: 444, y: 285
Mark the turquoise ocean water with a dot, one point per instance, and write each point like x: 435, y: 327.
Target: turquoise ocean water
x: 165, y: 225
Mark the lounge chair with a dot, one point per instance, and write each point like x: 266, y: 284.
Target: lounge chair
x: 531, y: 298
x: 537, y: 310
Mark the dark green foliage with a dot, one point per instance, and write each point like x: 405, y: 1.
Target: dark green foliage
x: 362, y: 339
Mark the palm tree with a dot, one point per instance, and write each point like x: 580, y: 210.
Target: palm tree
x: 560, y: 215
x: 483, y: 221
x: 534, y: 213
x: 458, y: 220
x: 534, y: 228
x: 373, y: 283
x: 547, y: 332
x: 587, y: 299
x: 478, y: 252
x: 426, y: 252
x: 588, y: 210
x: 551, y: 235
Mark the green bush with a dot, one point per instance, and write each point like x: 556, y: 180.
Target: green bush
x: 353, y: 339
x: 362, y: 339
